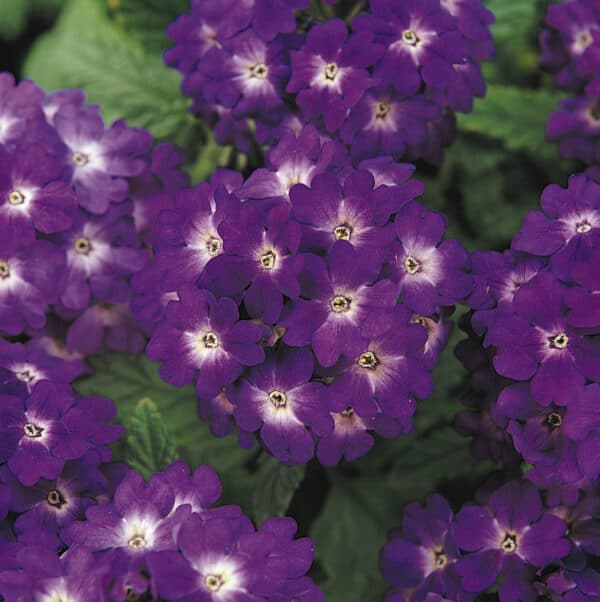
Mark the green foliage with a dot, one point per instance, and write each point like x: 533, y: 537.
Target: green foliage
x: 127, y: 380
x: 274, y: 487
x: 515, y: 117
x: 87, y: 50
x: 149, y: 447
x: 13, y: 18
x: 147, y: 20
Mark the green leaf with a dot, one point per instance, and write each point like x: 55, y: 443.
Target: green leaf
x: 147, y: 20
x: 275, y: 485
x: 515, y: 116
x: 129, y: 379
x: 86, y: 50
x: 149, y: 446
x: 13, y: 18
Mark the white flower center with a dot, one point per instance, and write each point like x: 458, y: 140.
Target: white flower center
x: 509, y: 543
x: 411, y: 265
x: 16, y: 198
x: 583, y: 228
x: 209, y: 340
x: 278, y: 398
x: 214, y: 582
x: 331, y: 70
x: 341, y: 304
x: 83, y: 245
x: 4, y: 269
x: 410, y: 37
x: 368, y: 360
x: 267, y: 260
x: 259, y: 71
x: 559, y: 341
x: 32, y: 431
x: 80, y: 159
x: 343, y: 232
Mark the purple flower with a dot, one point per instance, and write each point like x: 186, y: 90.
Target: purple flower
x: 329, y: 73
x: 330, y: 212
x: 567, y: 228
x: 247, y: 75
x: 350, y: 438
x: 260, y: 259
x: 50, y: 505
x: 271, y: 17
x: 31, y: 364
x: 203, y: 339
x: 422, y: 558
x: 296, y: 159
x: 421, y: 39
x: 536, y: 342
x: 474, y: 21
x: 187, y: 235
x: 51, y: 426
x: 576, y: 127
x: 573, y: 26
x: 385, y: 371
x: 384, y: 123
x: 135, y: 523
x: 279, y: 398
x: 510, y: 535
x: 430, y: 272
x: 226, y: 560
x: 39, y: 574
x: 28, y: 282
x: 341, y: 302
x: 101, y: 256
x: 583, y: 299
x: 100, y: 159
x: 104, y: 327
x: 32, y: 197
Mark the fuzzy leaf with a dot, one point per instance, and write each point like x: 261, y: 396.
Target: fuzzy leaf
x: 275, y: 485
x: 128, y: 379
x: 149, y: 445
x: 86, y: 50
x: 147, y: 20
x: 515, y: 116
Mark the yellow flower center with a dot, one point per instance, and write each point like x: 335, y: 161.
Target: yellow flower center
x: 210, y: 340
x: 411, y: 265
x: 509, y: 543
x: 341, y: 304
x: 381, y: 110
x: 368, y: 360
x: 4, y: 269
x: 32, y: 431
x: 214, y: 245
x: 80, y: 159
x: 559, y: 341
x: 137, y: 542
x: 267, y: 260
x: 410, y: 37
x: 331, y: 71
x: 214, y: 582
x: 16, y: 198
x: 259, y: 71
x: 343, y: 232
x: 83, y: 245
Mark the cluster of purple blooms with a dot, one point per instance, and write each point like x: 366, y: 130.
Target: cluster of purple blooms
x: 76, y: 526
x: 514, y: 541
x: 307, y: 304
x: 77, y: 205
x: 571, y: 51
x: 389, y: 85
x: 535, y: 404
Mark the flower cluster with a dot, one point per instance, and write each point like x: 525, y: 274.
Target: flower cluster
x: 75, y: 526
x: 571, y: 50
x: 536, y: 307
x: 536, y: 544
x: 278, y: 298
x: 388, y: 86
x: 77, y: 200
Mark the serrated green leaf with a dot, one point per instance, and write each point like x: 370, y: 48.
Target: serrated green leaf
x: 275, y: 485
x: 128, y: 379
x: 13, y: 18
x: 86, y: 50
x: 147, y: 20
x: 149, y: 445
x: 515, y: 116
